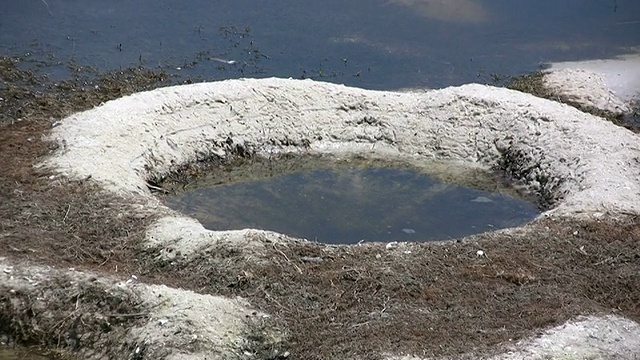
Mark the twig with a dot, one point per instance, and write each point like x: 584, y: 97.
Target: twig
x: 269, y: 297
x: 129, y: 315
x: 360, y: 324
x: 609, y: 259
x: 540, y: 266
x: 384, y: 306
x: 66, y: 214
x: 287, y: 258
x: 158, y: 188
x: 106, y: 260
x: 59, y: 323
x: 47, y: 5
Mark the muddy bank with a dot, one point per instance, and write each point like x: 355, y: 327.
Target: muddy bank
x: 98, y: 316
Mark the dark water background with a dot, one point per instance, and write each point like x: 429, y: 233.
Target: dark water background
x: 381, y: 44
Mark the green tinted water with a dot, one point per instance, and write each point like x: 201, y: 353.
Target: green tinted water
x: 348, y: 204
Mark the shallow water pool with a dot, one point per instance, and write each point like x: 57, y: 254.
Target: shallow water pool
x: 347, y: 205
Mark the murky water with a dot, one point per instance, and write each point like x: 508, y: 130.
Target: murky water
x: 351, y: 204
x: 385, y: 44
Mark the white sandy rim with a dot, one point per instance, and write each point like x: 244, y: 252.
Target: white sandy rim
x: 585, y: 88
x: 611, y: 85
x: 588, y: 163
x: 621, y: 75
x: 125, y: 141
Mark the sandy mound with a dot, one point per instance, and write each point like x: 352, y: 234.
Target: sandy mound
x: 609, y: 85
x: 587, y: 89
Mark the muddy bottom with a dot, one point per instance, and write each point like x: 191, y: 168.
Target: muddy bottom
x: 348, y: 203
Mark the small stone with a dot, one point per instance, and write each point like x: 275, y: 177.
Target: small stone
x: 312, y: 259
x: 392, y: 245
x: 408, y: 231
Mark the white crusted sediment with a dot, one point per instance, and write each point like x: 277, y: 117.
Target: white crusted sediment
x: 587, y: 89
x: 609, y: 85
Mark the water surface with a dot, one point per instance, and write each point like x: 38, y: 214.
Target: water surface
x: 382, y: 44
x: 349, y: 205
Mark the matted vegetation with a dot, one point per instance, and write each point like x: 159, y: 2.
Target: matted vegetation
x: 427, y: 299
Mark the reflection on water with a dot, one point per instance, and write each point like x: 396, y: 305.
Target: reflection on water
x: 466, y: 11
x: 353, y: 204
